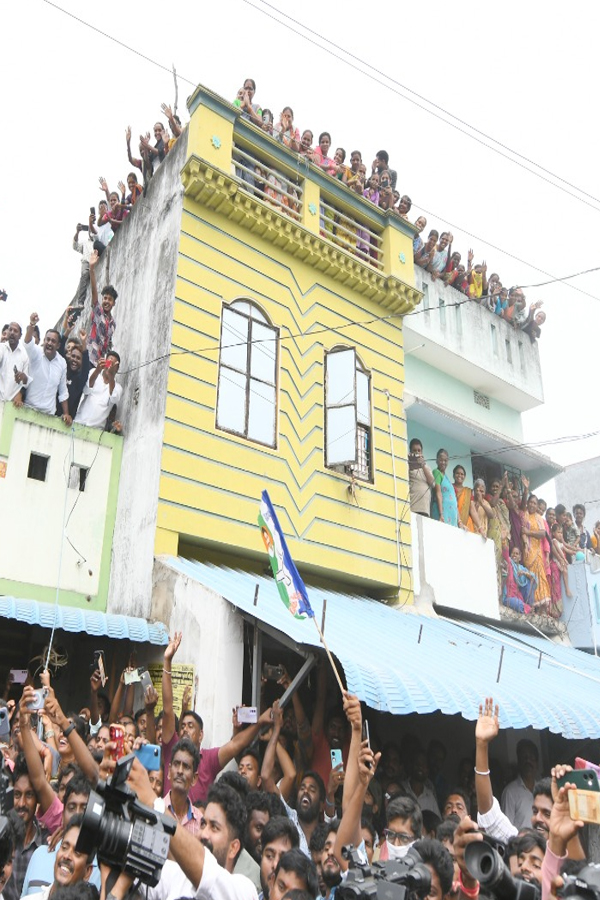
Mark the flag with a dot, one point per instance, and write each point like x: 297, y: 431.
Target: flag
x: 289, y: 584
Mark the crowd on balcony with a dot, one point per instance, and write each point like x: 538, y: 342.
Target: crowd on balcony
x: 378, y: 186
x: 534, y: 544
x: 300, y: 783
x: 67, y: 373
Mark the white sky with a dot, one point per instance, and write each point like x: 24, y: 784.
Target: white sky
x: 521, y: 72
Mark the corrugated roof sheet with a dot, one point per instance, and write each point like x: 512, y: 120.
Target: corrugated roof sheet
x: 401, y: 662
x: 70, y: 618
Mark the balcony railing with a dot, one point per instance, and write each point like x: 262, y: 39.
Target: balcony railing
x: 350, y: 233
x: 260, y: 179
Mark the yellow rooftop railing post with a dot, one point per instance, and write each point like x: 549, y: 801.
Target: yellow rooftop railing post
x: 310, y: 205
x: 397, y: 250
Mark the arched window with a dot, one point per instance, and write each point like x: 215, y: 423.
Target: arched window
x: 247, y: 389
x: 348, y: 430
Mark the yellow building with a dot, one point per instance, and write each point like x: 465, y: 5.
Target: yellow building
x: 285, y: 362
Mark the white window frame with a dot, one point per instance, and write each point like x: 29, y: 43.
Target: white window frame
x: 342, y: 411
x: 252, y: 319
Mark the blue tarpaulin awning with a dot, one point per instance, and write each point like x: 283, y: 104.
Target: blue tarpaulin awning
x: 402, y: 662
x: 70, y: 618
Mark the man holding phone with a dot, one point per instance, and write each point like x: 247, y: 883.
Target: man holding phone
x: 101, y: 392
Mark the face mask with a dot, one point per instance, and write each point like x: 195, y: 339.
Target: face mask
x: 395, y: 852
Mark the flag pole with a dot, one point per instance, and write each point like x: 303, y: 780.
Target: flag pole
x: 328, y: 652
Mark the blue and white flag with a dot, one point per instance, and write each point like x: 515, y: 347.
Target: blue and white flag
x: 289, y: 584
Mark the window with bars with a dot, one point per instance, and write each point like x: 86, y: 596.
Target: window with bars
x: 247, y: 386
x: 348, y: 428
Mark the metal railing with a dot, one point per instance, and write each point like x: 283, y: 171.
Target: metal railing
x: 260, y: 179
x: 352, y: 234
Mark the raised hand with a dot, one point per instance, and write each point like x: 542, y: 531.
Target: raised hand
x: 150, y: 697
x: 93, y: 258
x: 167, y: 110
x: 335, y: 780
x: 367, y: 762
x: 487, y: 724
x: 34, y: 319
x: 103, y: 183
x: 128, y: 134
x: 173, y: 646
x: 121, y: 187
x: 353, y: 711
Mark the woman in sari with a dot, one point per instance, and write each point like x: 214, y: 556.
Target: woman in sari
x: 443, y: 499
x: 467, y: 514
x: 533, y: 533
x: 498, y: 526
x: 519, y: 590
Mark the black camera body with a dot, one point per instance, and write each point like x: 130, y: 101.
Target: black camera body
x: 126, y: 834
x: 486, y: 864
x: 391, y: 880
x: 583, y: 886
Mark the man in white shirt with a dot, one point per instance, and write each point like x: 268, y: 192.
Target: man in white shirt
x: 101, y: 392
x: 47, y: 373
x: 12, y: 355
x: 517, y: 797
x: 207, y: 866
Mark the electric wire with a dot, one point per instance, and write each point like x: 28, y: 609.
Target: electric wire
x: 425, y: 109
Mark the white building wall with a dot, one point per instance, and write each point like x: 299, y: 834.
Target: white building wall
x: 213, y: 641
x: 453, y: 568
x: 33, y: 510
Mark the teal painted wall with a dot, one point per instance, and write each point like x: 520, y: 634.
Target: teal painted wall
x: 427, y: 383
x: 434, y: 441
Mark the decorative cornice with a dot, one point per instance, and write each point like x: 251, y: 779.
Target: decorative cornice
x: 217, y: 190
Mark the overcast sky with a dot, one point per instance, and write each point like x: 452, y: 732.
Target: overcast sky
x: 523, y: 73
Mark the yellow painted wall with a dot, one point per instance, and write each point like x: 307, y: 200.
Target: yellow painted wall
x: 211, y: 480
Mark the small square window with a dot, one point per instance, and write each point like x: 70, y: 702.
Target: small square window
x: 38, y: 466
x: 77, y: 477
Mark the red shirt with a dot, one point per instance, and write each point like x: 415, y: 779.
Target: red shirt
x: 208, y: 770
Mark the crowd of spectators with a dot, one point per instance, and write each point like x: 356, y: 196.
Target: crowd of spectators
x: 378, y: 186
x: 276, y: 819
x: 534, y: 544
x: 70, y: 373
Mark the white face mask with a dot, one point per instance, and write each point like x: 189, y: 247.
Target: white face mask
x: 395, y: 852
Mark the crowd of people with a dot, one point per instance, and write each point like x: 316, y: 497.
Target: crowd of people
x: 273, y: 824
x: 69, y: 374
x: 534, y: 544
x: 378, y: 186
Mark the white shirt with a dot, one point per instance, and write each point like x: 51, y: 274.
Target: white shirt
x: 41, y: 895
x: 216, y: 883
x: 104, y: 234
x: 96, y: 402
x: 86, y: 247
x: 496, y: 824
x: 426, y: 799
x: 47, y: 377
x: 516, y: 803
x: 8, y: 360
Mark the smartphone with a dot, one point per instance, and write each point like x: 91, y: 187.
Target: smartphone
x: 247, y: 715
x: 4, y: 723
x: 585, y: 805
x: 149, y: 756
x: 365, y: 733
x: 145, y: 679
x: 18, y: 676
x: 584, y: 764
x: 272, y: 673
x: 336, y: 758
x: 39, y: 699
x: 76, y: 313
x: 84, y: 227
x: 92, y: 210
x: 583, y: 779
x: 100, y: 665
x: 118, y: 736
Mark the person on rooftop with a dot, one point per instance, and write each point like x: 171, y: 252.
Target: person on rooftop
x: 306, y: 144
x: 135, y: 191
x: 424, y: 257
x: 174, y: 123
x: 12, y: 356
x: 439, y: 261
x: 285, y: 132
x: 381, y: 163
x: 420, y: 225
x: 103, y: 324
x: 250, y: 110
x: 532, y: 533
x: 47, y: 373
x: 321, y: 154
x: 535, y: 319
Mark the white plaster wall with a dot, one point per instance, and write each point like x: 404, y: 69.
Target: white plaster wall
x: 33, y: 510
x: 212, y: 641
x: 453, y: 568
x: 142, y: 266
x: 465, y: 333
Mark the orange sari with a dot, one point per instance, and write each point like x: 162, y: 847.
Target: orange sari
x: 464, y: 495
x: 533, y: 559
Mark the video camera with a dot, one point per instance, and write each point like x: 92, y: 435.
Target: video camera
x: 391, y: 880
x: 583, y: 886
x: 125, y: 834
x: 485, y: 862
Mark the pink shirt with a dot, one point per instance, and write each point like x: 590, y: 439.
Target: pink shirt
x: 52, y: 818
x: 208, y: 770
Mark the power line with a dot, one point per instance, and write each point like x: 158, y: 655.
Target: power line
x: 564, y: 278
x: 424, y: 108
x: 442, y: 218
